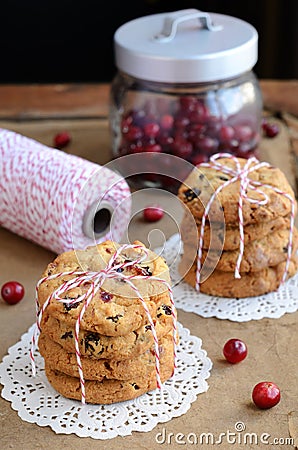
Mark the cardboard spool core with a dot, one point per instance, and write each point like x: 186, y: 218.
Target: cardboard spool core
x: 97, y: 220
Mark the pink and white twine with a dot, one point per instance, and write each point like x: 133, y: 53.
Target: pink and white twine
x: 45, y: 193
x: 96, y: 280
x: 242, y: 175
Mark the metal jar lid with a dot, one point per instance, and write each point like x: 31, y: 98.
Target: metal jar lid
x: 187, y: 46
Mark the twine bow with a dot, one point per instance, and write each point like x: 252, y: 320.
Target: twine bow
x: 246, y: 184
x: 113, y: 270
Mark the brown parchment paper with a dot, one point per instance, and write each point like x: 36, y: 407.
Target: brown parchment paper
x: 272, y: 355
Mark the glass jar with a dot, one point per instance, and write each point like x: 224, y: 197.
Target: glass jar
x: 176, y: 97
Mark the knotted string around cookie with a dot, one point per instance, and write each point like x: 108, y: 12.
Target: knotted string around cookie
x: 246, y: 184
x: 113, y: 270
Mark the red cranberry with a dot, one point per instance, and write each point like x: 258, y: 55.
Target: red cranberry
x: 226, y: 133
x: 136, y: 147
x: 181, y: 121
x: 180, y: 134
x: 166, y: 121
x: 133, y: 133
x: 165, y: 140
x: 244, y: 148
x: 196, y: 128
x: 125, y: 123
x: 156, y: 148
x: 199, y: 158
x: 188, y: 103
x: 151, y: 129
x: 61, y: 140
x: 181, y: 148
x: 243, y: 132
x: 200, y: 114
x: 244, y: 155
x: 106, y: 296
x: 247, y: 150
x: 266, y: 395
x: 153, y: 213
x: 270, y: 129
x: 234, y: 351
x: 12, y: 292
x: 231, y: 146
x: 207, y: 144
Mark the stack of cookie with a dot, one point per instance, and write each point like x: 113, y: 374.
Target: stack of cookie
x: 266, y: 225
x: 116, y: 344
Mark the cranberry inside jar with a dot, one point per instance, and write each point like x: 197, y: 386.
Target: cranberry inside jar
x: 192, y: 126
x: 184, y: 88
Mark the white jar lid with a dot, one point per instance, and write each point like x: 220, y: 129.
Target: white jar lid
x: 187, y: 46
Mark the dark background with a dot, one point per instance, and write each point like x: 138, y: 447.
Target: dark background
x: 72, y: 41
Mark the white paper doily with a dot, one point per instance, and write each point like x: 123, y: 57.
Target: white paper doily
x: 273, y: 305
x: 37, y: 402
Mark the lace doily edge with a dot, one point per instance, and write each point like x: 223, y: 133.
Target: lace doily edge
x: 233, y: 316
x: 224, y: 316
x: 190, y: 398
x: 100, y: 436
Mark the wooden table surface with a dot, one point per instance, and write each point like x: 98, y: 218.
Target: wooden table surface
x: 42, y: 111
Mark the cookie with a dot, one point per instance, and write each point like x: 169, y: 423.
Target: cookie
x: 140, y: 367
x: 202, y: 182
x: 228, y: 237
x: 224, y: 284
x: 258, y: 254
x: 110, y: 391
x: 115, y: 309
x: 109, y: 347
